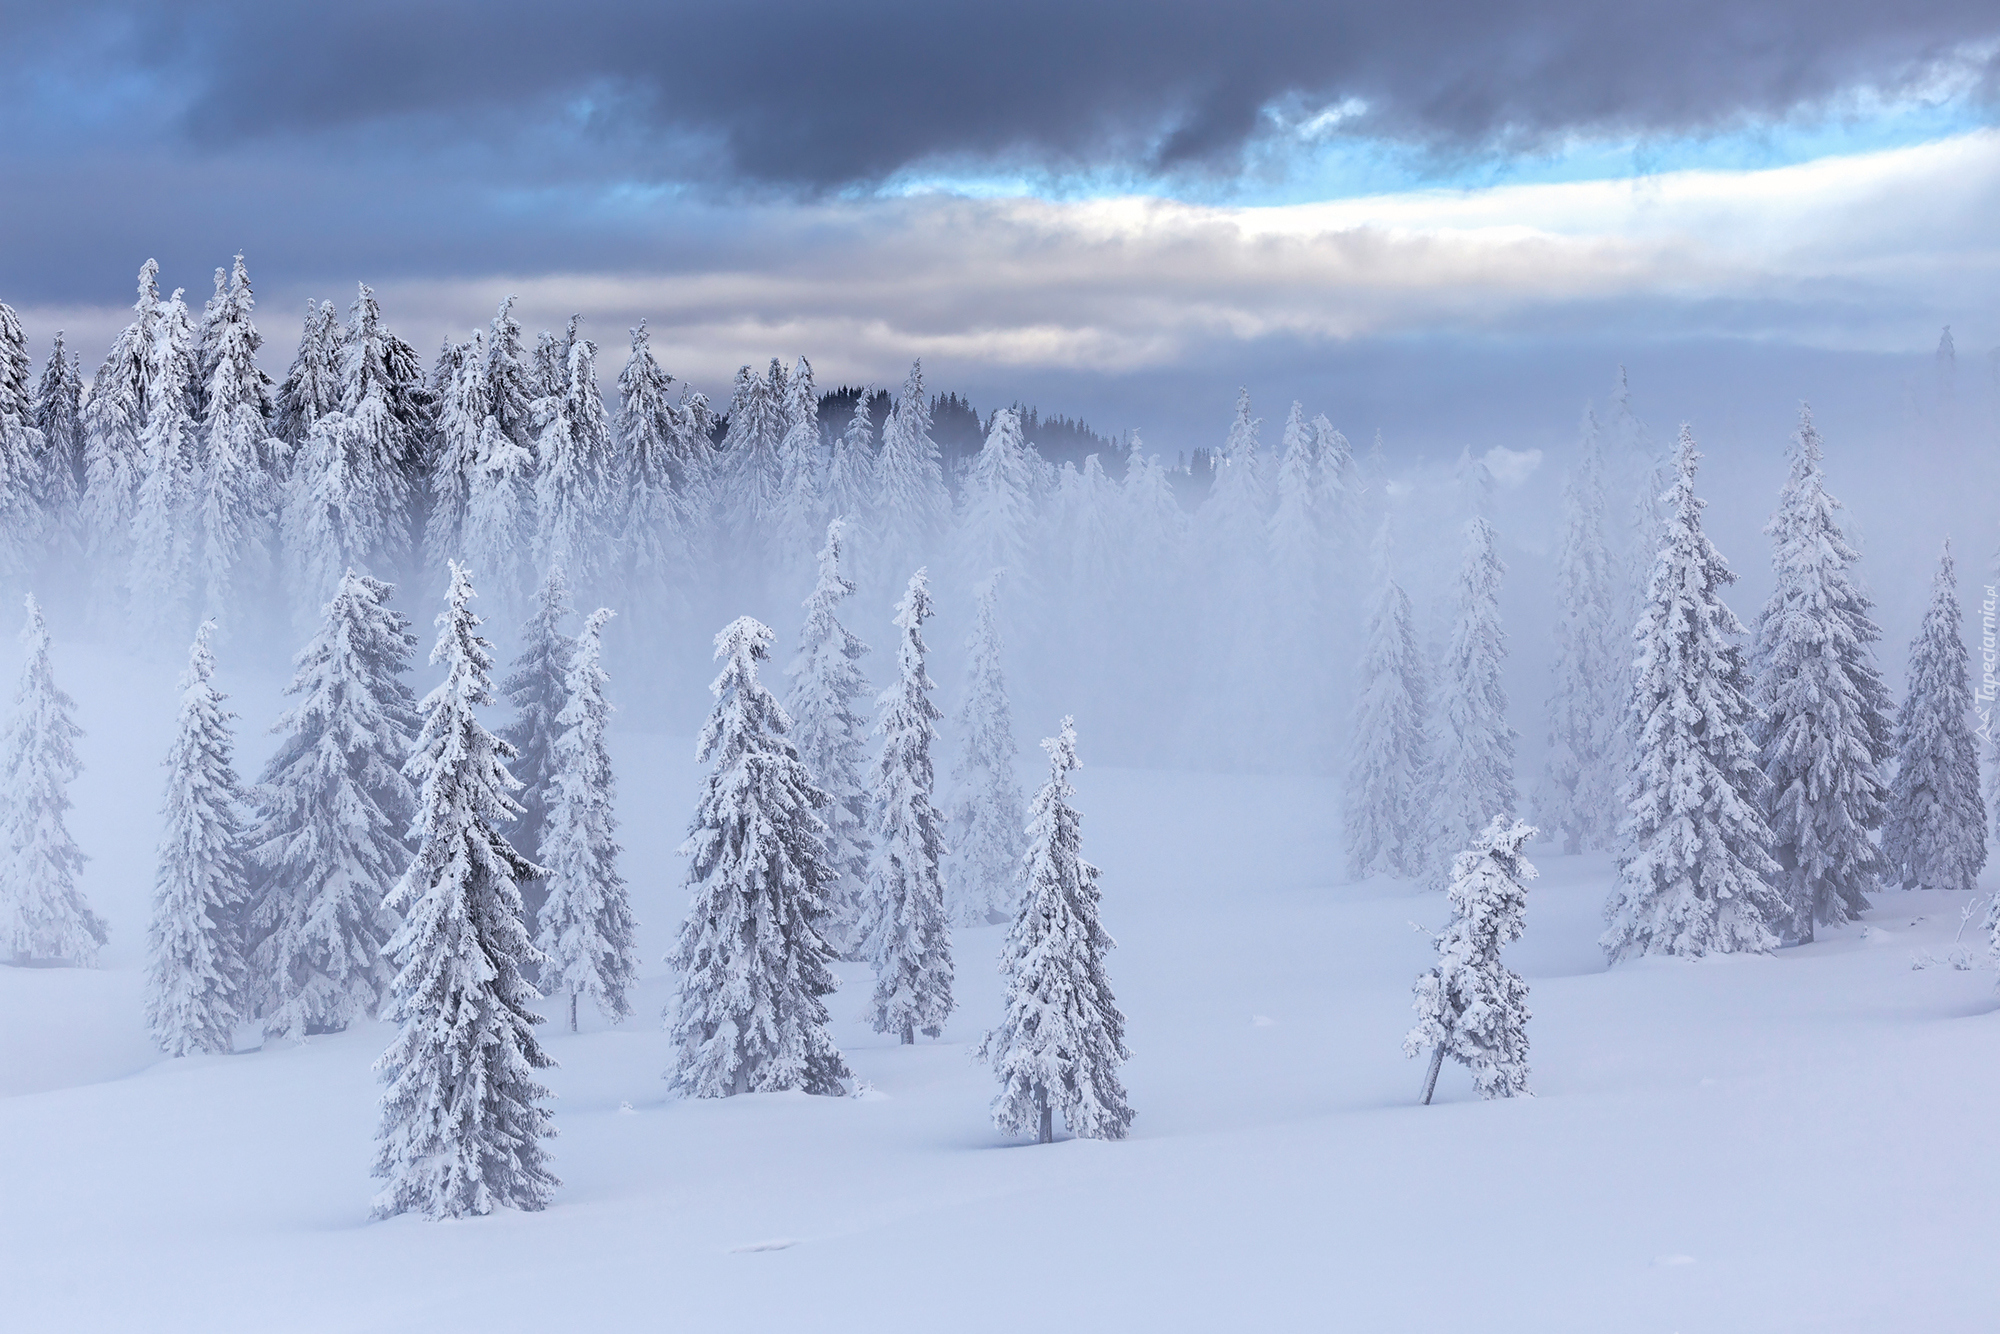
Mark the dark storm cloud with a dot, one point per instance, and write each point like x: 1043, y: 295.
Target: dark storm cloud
x: 812, y: 94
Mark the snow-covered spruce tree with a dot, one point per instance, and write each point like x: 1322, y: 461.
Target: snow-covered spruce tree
x: 42, y: 913
x: 1472, y: 747
x: 801, y: 511
x: 462, y: 1125
x: 985, y: 821
x: 905, y: 933
x: 335, y: 809
x: 195, y: 968
x: 58, y: 415
x: 1470, y: 1006
x: 750, y: 460
x: 499, y: 530
x: 911, y: 503
x: 538, y: 689
x: 831, y: 735
x: 1337, y: 496
x: 164, y: 517
x: 1295, y: 523
x: 574, y: 472
x: 1935, y: 834
x: 997, y: 529
x: 653, y: 527
x: 311, y: 388
x: 465, y: 403
x: 1578, y: 794
x: 240, y: 458
x: 750, y: 1013
x: 24, y: 520
x: 113, y: 416
x: 1695, y: 874
x: 1384, y: 802
x: 348, y: 502
x: 1232, y: 516
x: 1822, y: 724
x: 512, y: 376
x: 850, y: 474
x: 586, y: 923
x: 1155, y: 525
x: 1062, y: 1039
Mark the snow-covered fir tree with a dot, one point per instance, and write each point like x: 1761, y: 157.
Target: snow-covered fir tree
x: 985, y: 820
x: 43, y: 915
x: 512, y: 376
x: 499, y: 529
x: 537, y: 686
x: 1695, y: 873
x: 801, y: 510
x: 114, y: 414
x: 1471, y: 777
x: 654, y: 526
x: 1384, y: 806
x: 1578, y: 794
x: 1295, y: 523
x: 906, y: 936
x: 1233, y: 515
x: 831, y: 734
x: 1156, y: 526
x: 335, y: 810
x: 58, y: 415
x: 750, y: 450
x: 752, y: 967
x: 586, y: 926
x: 574, y: 471
x: 311, y: 388
x: 1470, y: 1006
x: 239, y: 458
x: 997, y: 528
x: 462, y: 1121
x: 465, y: 404
x: 26, y: 517
x: 850, y: 474
x: 195, y: 975
x: 164, y: 517
x: 1935, y: 834
x: 1062, y: 1038
x: 911, y: 503
x: 1337, y: 496
x: 1823, y: 713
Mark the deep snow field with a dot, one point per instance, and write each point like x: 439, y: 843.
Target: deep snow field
x: 1799, y: 1142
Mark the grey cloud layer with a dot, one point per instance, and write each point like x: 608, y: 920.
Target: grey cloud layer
x: 809, y: 94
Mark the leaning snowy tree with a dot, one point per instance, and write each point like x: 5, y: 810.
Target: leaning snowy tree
x: 1935, y: 834
x: 1823, y: 713
x: 586, y: 923
x: 1061, y: 1039
x: 335, y: 807
x: 750, y: 1014
x: 1472, y: 747
x: 831, y: 734
x: 905, y: 933
x: 1695, y: 874
x: 538, y: 689
x: 462, y: 1125
x: 985, y: 816
x: 1578, y: 794
x: 195, y: 969
x: 1383, y: 805
x: 42, y: 913
x: 1470, y: 1006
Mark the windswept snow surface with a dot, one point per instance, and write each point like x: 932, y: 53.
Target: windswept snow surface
x: 1797, y: 1142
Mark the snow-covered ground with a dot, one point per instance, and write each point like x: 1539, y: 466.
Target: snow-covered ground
x: 1794, y: 1142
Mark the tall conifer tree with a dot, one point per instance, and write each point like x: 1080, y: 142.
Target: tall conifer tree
x: 1935, y: 835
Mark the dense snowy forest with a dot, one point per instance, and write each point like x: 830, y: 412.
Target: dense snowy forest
x: 451, y: 862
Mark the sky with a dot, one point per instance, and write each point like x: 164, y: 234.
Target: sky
x: 1444, y: 220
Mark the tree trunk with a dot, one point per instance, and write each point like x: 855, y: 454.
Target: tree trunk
x: 572, y: 1012
x: 909, y: 1035
x: 1431, y: 1079
x: 1048, y: 1131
